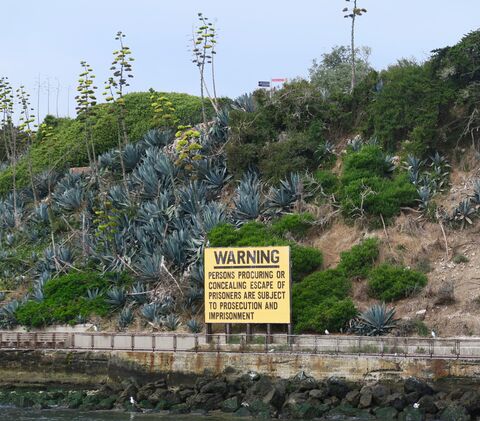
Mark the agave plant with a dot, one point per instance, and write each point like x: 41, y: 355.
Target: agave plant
x: 413, y: 164
x: 194, y: 326
x: 70, y: 200
x: 126, y: 318
x: 282, y: 199
x: 45, y: 182
x: 171, y: 322
x: 150, y: 267
x: 212, y: 215
x: 192, y: 197
x: 245, y: 102
x: 93, y: 293
x: 7, y: 315
x: 139, y: 293
x: 157, y: 138
x: 216, y: 178
x: 219, y: 129
x: 38, y: 293
x: 175, y: 246
x: 107, y: 160
x: 389, y: 163
x: 131, y: 156
x: 116, y: 296
x: 150, y: 311
x: 119, y: 197
x: 40, y: 213
x: 425, y: 195
x: 355, y: 144
x: 438, y: 160
x: 376, y: 321
x: 324, y: 150
x: 464, y: 213
x: 247, y: 198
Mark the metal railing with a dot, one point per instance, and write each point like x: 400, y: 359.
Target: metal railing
x: 451, y: 348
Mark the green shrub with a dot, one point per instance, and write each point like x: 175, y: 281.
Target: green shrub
x: 359, y: 260
x: 66, y: 146
x: 321, y: 302
x: 367, y: 185
x: 327, y: 180
x: 296, y: 224
x: 389, y: 283
x: 331, y: 314
x: 304, y: 260
x: 66, y: 299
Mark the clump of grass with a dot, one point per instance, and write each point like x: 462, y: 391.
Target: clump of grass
x: 460, y: 258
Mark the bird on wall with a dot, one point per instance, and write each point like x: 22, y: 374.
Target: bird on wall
x: 327, y: 332
x: 433, y: 334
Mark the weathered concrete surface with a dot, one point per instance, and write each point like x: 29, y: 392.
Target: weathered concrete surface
x: 93, y: 368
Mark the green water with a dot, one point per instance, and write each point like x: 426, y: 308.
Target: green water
x: 16, y: 414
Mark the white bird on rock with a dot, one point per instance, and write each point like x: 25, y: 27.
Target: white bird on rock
x: 327, y: 332
x: 132, y: 401
x: 416, y: 405
x: 433, y: 334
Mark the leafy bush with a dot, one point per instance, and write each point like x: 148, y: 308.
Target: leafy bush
x: 327, y: 180
x: 368, y: 188
x: 66, y: 298
x: 66, y: 148
x: 296, y: 224
x: 359, y: 260
x: 321, y: 302
x: 305, y: 260
x: 389, y: 283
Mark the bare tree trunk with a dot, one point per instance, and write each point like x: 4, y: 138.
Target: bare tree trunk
x: 354, y: 77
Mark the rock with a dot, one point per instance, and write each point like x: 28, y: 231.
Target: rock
x: 185, y: 394
x: 345, y: 410
x: 353, y: 397
x: 260, y: 409
x: 207, y: 401
x: 243, y: 412
x: 397, y: 401
x: 180, y: 408
x: 380, y: 392
x: 366, y: 399
x: 427, y: 403
x: 107, y: 403
x: 276, y: 396
x: 306, y: 411
x: 337, y: 387
x: 412, y: 397
x: 411, y: 414
x: 455, y: 412
x: 260, y: 388
x: 471, y: 401
x: 332, y: 401
x: 420, y: 314
x: 74, y: 400
x: 386, y: 413
x: 413, y: 384
x: 319, y: 394
x: 216, y: 386
x: 231, y: 404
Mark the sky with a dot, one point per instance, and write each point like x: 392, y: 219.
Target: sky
x: 257, y: 40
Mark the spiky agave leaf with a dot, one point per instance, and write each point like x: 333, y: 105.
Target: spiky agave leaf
x: 45, y: 182
x: 194, y: 326
x: 425, y: 195
x: 70, y: 200
x: 464, y: 213
x: 126, y: 318
x: 171, y: 322
x: 119, y: 197
x: 116, y: 296
x: 150, y: 267
x: 192, y: 197
x: 355, y: 144
x: 131, y: 156
x: 175, y: 247
x: 157, y: 138
x: 93, y: 293
x: 139, y: 293
x: 282, y: 199
x: 40, y: 213
x: 108, y: 160
x: 413, y: 164
x: 245, y: 102
x: 376, y: 321
x: 247, y: 198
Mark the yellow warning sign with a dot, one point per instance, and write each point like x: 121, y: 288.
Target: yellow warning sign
x: 247, y: 285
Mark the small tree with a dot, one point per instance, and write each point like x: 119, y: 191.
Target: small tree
x: 27, y: 118
x: 352, y: 13
x: 115, y: 90
x: 9, y: 135
x: 86, y: 100
x: 204, y: 41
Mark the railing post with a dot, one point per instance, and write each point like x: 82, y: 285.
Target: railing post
x: 432, y: 345
x: 382, y: 346
x: 266, y: 343
x: 316, y: 345
x: 35, y: 340
x: 132, y: 340
x: 18, y: 339
x: 54, y: 340
x: 359, y: 344
x: 457, y: 348
x: 112, y: 341
x: 337, y: 347
x: 406, y: 347
x: 92, y: 340
x: 218, y: 343
x: 174, y: 342
x: 153, y: 342
x: 249, y: 333
x: 196, y: 343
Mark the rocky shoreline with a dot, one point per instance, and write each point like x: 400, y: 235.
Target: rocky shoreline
x: 254, y: 395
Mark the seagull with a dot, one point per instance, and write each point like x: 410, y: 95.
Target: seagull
x: 433, y: 334
x: 132, y: 401
x: 95, y: 328
x: 271, y: 350
x: 245, y: 404
x: 327, y: 332
x: 416, y: 405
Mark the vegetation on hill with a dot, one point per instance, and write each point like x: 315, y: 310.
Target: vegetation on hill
x: 262, y: 170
